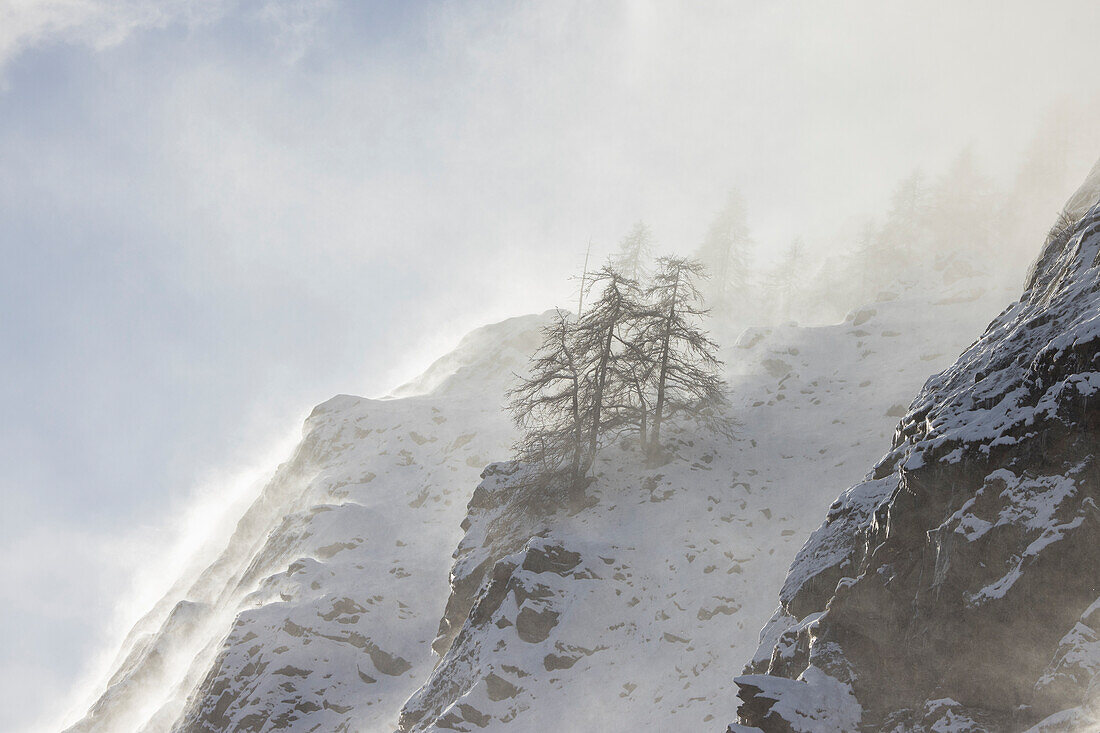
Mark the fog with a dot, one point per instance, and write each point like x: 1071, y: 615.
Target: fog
x: 218, y: 214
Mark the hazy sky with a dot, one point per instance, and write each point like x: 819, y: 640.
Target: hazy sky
x: 216, y: 214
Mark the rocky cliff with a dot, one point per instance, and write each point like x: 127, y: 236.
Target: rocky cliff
x: 331, y: 609
x: 319, y: 613
x: 635, y: 612
x: 957, y: 588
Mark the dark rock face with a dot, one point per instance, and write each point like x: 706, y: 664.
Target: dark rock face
x: 504, y: 555
x: 499, y: 522
x: 958, y: 587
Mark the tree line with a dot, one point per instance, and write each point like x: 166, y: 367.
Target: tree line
x: 632, y: 359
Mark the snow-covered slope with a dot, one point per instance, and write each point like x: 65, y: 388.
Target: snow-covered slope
x: 319, y: 613
x: 636, y: 612
x: 957, y: 587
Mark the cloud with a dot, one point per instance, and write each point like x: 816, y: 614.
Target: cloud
x: 98, y: 24
x: 214, y: 229
x: 101, y: 24
x: 296, y: 24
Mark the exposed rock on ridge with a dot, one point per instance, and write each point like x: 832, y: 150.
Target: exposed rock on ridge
x: 956, y: 588
x: 634, y: 613
x: 319, y: 612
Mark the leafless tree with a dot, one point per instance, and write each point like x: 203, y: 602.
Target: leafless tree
x: 785, y: 276
x: 726, y: 254
x: 578, y: 388
x: 630, y: 401
x: 601, y: 336
x: 627, y: 363
x: 552, y: 405
x: 687, y: 374
x: 634, y: 254
x: 1062, y: 229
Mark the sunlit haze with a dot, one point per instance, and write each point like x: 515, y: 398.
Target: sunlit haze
x: 218, y: 214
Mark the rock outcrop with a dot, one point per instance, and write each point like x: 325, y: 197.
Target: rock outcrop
x: 319, y: 613
x: 635, y: 612
x: 323, y: 610
x: 957, y: 587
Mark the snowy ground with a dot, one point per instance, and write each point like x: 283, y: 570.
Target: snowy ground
x: 953, y: 589
x: 640, y: 610
x: 320, y: 613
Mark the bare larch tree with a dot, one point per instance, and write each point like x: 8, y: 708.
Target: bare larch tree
x: 726, y: 254
x: 784, y: 277
x: 634, y: 254
x: 687, y: 374
x: 630, y: 361
x: 552, y: 405
x: 601, y: 335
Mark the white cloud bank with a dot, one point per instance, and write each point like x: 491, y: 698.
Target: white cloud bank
x: 95, y: 23
x: 293, y: 199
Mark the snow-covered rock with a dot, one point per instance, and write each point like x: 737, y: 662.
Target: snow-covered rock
x: 637, y: 611
x: 956, y: 588
x: 323, y: 610
x: 319, y: 613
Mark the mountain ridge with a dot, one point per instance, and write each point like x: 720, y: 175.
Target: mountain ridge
x: 953, y: 589
x: 323, y: 608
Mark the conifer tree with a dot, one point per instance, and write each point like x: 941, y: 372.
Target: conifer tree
x: 601, y: 335
x: 963, y: 212
x: 906, y: 216
x: 552, y: 405
x: 726, y: 254
x: 785, y: 276
x: 687, y: 379
x: 634, y: 254
x: 626, y: 366
x: 870, y: 258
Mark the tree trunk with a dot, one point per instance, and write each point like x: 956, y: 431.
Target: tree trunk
x: 659, y: 408
x: 597, y: 397
x: 578, y: 436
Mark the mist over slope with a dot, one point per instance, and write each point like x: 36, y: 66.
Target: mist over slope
x: 325, y: 599
x: 635, y: 612
x: 331, y: 607
x: 956, y: 587
x: 322, y: 610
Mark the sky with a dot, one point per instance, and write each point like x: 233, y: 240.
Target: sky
x: 216, y: 214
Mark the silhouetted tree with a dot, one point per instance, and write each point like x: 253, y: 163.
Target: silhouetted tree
x: 630, y: 401
x: 601, y: 335
x: 552, y: 405
x: 634, y: 254
x: 580, y: 383
x: 687, y: 379
x: 628, y: 363
x: 785, y: 276
x: 725, y: 253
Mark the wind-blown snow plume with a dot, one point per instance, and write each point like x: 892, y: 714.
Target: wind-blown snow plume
x: 956, y: 586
